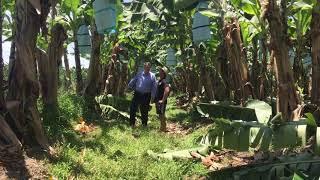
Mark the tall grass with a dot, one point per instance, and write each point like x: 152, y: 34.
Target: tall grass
x: 114, y: 150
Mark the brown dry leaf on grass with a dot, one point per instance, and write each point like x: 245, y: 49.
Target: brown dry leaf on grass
x: 224, y: 159
x: 84, y: 128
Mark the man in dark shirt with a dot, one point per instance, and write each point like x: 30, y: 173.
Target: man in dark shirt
x: 145, y: 86
x: 163, y: 90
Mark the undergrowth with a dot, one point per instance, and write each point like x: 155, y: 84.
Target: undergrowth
x: 114, y: 150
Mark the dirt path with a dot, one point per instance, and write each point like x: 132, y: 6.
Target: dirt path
x: 14, y: 164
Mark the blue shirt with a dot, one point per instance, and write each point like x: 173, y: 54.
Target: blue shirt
x: 144, y: 83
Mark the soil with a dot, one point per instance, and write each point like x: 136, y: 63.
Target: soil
x: 14, y: 164
x: 176, y: 128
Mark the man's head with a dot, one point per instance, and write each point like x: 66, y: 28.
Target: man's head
x: 147, y: 67
x: 163, y: 71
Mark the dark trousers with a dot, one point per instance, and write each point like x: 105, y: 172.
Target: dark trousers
x: 141, y: 100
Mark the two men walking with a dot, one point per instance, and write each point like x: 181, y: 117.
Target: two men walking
x: 148, y: 90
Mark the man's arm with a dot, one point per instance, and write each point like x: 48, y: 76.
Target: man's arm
x: 132, y: 82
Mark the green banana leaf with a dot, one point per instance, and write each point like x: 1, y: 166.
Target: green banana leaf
x: 254, y: 110
x: 228, y: 112
x: 182, y: 4
x: 307, y: 168
x: 108, y: 110
x: 317, y: 147
x: 263, y: 110
x: 181, y: 154
x: 241, y: 136
x: 120, y: 103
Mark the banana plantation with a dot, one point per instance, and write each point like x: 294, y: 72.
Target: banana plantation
x: 160, y: 89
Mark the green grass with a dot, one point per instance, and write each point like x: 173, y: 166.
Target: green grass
x: 112, y: 152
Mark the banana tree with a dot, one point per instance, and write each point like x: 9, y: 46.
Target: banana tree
x: 233, y: 68
x: 2, y: 102
x: 72, y: 13
x: 48, y: 69
x: 287, y: 98
x: 299, y: 24
x: 315, y: 43
x: 254, y: 35
x: 94, y: 75
x: 7, y: 30
x: 23, y: 84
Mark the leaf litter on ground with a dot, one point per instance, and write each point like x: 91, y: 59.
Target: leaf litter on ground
x: 83, y: 127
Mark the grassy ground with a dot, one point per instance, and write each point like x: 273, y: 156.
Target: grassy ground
x: 114, y: 150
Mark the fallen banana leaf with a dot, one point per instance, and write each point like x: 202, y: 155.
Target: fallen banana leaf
x: 106, y: 109
x: 317, y: 146
x: 228, y: 112
x: 253, y: 111
x: 119, y: 103
x: 182, y: 154
x: 311, y: 121
x: 242, y: 136
x: 281, y: 170
x: 263, y: 110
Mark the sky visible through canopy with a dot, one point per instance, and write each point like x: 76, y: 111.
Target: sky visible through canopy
x: 84, y: 62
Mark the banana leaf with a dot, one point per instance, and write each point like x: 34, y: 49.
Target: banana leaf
x: 254, y: 110
x: 182, y: 4
x: 182, y: 154
x: 271, y: 171
x: 109, y: 111
x: 317, y: 147
x: 242, y: 136
x: 120, y: 103
x: 228, y: 112
x: 263, y: 110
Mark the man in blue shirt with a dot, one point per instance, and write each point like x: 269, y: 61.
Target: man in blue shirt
x: 144, y: 85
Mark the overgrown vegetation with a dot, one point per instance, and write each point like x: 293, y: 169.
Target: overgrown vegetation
x: 248, y: 67
x: 116, y: 151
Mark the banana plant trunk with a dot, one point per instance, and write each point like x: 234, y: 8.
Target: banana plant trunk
x: 67, y: 81
x: 255, y: 72
x: 111, y: 81
x: 55, y: 52
x: 123, y: 79
x: 23, y: 84
x: 300, y: 74
x: 204, y: 74
x: 12, y: 55
x: 2, y: 102
x: 315, y: 42
x: 79, y: 84
x: 287, y: 99
x: 238, y: 67
x: 94, y: 74
x: 117, y: 73
x: 263, y: 90
x: 7, y: 136
x: 297, y: 65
